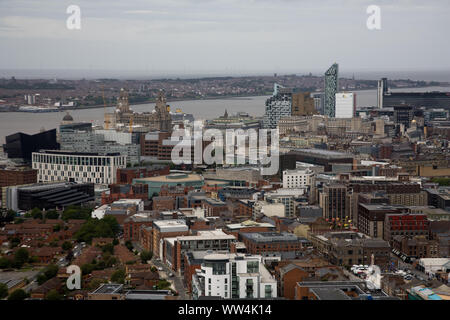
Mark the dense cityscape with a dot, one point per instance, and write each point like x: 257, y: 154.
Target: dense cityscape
x: 358, y: 209
x: 211, y: 159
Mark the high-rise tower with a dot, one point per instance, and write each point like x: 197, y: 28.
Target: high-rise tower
x: 382, y: 90
x: 331, y: 88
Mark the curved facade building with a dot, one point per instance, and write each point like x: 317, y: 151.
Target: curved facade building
x: 174, y: 179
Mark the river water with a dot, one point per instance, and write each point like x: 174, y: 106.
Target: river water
x: 12, y: 122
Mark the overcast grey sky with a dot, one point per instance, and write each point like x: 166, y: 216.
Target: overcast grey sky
x: 225, y: 36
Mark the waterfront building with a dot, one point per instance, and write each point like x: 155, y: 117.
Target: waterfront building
x: 159, y: 119
x: 331, y: 88
x: 20, y: 145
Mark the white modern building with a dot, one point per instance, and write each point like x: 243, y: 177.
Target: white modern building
x: 105, y: 209
x: 55, y: 165
x: 345, y: 105
x: 233, y: 276
x: 267, y: 209
x: 297, y: 178
x: 431, y: 265
x: 287, y: 197
x: 81, y: 137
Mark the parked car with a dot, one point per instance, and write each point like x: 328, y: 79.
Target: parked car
x: 171, y: 274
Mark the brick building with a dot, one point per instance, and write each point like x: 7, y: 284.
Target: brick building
x: 16, y: 176
x: 132, y: 226
x: 244, y: 208
x: 126, y: 175
x: 162, y: 203
x: 125, y: 191
x: 371, y: 218
x: 406, y: 224
x: 346, y: 248
x: 213, y: 207
x: 166, y: 229
x: 266, y: 242
x: 417, y: 247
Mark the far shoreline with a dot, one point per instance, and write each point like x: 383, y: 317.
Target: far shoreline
x: 227, y: 97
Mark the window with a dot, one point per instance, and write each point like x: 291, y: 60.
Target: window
x: 252, y: 266
x: 268, y: 291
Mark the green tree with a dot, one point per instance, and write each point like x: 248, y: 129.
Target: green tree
x: 94, y: 228
x: 109, y: 247
x: 441, y: 181
x: 76, y: 212
x: 129, y: 245
x: 20, y: 258
x: 53, y: 295
x: 111, y: 261
x: 51, y: 271
x: 36, y: 213
x: 163, y: 284
x: 115, y: 242
x: 18, y: 294
x: 3, y: 290
x: 51, y: 214
x: 56, y: 228
x: 94, y: 284
x: 4, y: 263
x: 18, y: 220
x: 14, y: 242
x: 118, y: 276
x: 67, y: 245
x: 146, y: 255
x: 87, y: 268
x: 41, y: 278
x: 54, y: 243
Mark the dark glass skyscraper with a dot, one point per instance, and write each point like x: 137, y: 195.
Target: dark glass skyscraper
x: 331, y: 88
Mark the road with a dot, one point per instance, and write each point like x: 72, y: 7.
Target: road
x: 177, y: 281
x: 403, y: 265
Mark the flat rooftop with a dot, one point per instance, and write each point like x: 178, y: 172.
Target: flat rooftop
x: 174, y: 225
x: 173, y: 178
x: 271, y: 237
x: 323, y: 153
x: 204, y: 235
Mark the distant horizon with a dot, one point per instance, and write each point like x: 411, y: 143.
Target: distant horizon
x: 142, y: 75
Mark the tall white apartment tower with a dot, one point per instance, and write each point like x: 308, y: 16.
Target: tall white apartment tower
x: 345, y: 105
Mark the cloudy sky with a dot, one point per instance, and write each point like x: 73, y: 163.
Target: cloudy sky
x: 224, y: 36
